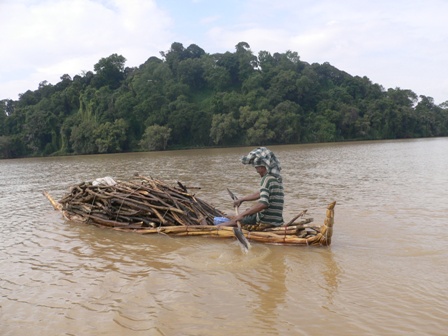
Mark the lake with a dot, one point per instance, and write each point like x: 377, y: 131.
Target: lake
x: 384, y: 274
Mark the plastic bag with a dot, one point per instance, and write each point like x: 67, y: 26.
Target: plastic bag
x: 105, y: 181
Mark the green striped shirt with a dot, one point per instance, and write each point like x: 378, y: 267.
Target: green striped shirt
x: 271, y: 194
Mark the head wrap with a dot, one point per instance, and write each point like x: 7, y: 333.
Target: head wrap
x: 262, y: 156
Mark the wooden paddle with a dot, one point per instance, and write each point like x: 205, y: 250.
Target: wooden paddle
x: 237, y: 230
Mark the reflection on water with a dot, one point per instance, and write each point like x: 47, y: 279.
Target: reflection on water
x: 385, y: 273
x: 330, y: 273
x: 268, y: 286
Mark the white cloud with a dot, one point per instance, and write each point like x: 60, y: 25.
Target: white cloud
x: 47, y: 39
x: 402, y: 43
x: 396, y: 44
x: 210, y: 19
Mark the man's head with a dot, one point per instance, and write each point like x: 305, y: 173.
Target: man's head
x: 262, y: 156
x: 261, y: 170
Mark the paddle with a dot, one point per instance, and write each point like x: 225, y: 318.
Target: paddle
x: 237, y: 230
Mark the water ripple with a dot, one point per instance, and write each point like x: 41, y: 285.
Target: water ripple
x: 385, y: 273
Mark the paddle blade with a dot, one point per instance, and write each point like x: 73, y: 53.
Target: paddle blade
x: 241, y: 239
x: 232, y: 195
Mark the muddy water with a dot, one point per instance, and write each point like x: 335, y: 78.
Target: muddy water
x: 385, y: 274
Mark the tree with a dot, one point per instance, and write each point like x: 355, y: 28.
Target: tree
x: 28, y: 98
x: 66, y: 131
x: 266, y: 62
x: 176, y: 54
x: 216, y: 76
x: 229, y: 61
x: 230, y: 98
x: 3, y: 116
x: 227, y: 102
x: 256, y: 124
x: 11, y: 147
x: 284, y: 122
x: 109, y: 71
x: 181, y: 114
x: 5, y: 147
x: 284, y: 87
x: 308, y: 90
x: 193, y: 51
x: 7, y: 107
x: 427, y: 111
x: 247, y: 62
x: 82, y: 138
x: 111, y: 137
x: 191, y: 72
x: 155, y: 138
x: 224, y: 129
x: 324, y: 130
x: 38, y: 129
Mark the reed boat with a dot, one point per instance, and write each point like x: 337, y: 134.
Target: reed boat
x: 145, y: 205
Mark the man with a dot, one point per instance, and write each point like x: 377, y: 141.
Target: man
x: 268, y: 211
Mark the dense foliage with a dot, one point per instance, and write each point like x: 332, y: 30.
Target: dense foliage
x: 188, y: 98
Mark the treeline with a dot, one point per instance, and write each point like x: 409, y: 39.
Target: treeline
x: 189, y: 98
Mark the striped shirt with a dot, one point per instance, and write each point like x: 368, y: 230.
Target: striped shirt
x: 271, y: 194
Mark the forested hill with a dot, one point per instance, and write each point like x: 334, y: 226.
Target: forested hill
x: 190, y: 98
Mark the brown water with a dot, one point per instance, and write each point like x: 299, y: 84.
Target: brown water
x: 386, y: 272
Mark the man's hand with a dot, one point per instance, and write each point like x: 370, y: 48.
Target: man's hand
x: 232, y: 221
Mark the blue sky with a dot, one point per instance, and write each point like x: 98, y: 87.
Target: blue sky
x: 398, y: 43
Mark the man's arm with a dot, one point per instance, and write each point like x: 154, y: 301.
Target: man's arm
x: 251, y: 197
x: 252, y: 210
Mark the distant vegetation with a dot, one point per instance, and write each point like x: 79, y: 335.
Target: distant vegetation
x: 189, y: 98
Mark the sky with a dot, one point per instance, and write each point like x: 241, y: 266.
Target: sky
x: 395, y: 43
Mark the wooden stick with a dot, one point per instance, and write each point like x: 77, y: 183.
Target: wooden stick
x: 299, y: 215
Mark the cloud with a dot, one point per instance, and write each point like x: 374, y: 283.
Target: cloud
x: 46, y: 39
x: 398, y: 43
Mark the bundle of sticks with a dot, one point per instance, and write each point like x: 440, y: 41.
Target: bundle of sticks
x: 139, y: 203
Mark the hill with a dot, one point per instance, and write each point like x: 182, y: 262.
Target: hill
x: 190, y: 98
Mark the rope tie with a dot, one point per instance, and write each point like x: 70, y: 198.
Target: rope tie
x: 284, y: 236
